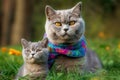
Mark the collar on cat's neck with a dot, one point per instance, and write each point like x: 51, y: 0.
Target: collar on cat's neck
x: 75, y: 50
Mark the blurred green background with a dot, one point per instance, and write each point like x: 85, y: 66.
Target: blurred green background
x: 26, y: 18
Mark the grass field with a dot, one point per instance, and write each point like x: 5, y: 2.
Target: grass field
x: 108, y: 50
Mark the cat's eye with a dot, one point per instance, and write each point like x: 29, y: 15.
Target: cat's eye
x: 71, y: 23
x: 58, y: 24
x: 28, y: 50
x: 38, y: 50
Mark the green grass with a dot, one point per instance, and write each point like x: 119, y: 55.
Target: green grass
x: 110, y: 57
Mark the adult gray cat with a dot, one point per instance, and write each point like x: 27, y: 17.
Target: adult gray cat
x: 35, y: 55
x: 67, y: 27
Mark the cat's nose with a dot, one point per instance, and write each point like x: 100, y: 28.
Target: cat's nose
x: 32, y: 54
x: 65, y: 29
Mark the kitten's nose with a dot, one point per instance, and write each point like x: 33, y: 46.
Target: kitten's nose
x: 32, y: 54
x: 65, y: 29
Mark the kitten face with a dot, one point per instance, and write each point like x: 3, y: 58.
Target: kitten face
x: 34, y: 52
x: 64, y: 26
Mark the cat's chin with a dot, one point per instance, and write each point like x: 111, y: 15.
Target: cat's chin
x: 65, y: 37
x: 31, y: 60
x: 66, y: 41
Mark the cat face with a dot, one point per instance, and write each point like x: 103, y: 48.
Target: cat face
x: 34, y: 52
x: 64, y: 26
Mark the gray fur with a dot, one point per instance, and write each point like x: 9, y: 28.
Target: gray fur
x: 57, y: 35
x: 35, y: 55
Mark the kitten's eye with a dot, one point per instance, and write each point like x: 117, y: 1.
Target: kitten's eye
x: 28, y: 51
x: 38, y: 50
x: 58, y: 24
x: 71, y: 23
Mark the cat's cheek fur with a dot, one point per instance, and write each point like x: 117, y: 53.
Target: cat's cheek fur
x: 82, y: 25
x: 38, y: 55
x: 49, y: 28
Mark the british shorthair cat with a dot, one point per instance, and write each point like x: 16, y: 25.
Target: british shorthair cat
x: 67, y: 45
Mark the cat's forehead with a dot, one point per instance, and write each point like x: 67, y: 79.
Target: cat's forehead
x: 64, y: 12
x: 34, y: 45
x: 64, y: 16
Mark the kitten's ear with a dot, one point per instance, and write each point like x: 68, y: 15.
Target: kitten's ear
x: 44, y: 42
x: 49, y: 11
x: 77, y: 9
x: 24, y: 43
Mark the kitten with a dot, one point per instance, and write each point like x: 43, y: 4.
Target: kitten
x: 67, y: 27
x: 35, y: 55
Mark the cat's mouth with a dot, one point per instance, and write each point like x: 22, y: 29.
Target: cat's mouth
x: 65, y: 37
x: 66, y: 34
x: 32, y: 58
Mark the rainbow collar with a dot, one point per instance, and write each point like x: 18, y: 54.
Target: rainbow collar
x: 76, y: 50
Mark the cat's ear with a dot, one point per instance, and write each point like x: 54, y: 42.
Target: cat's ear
x: 24, y: 42
x: 76, y: 10
x: 49, y: 11
x: 44, y: 42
